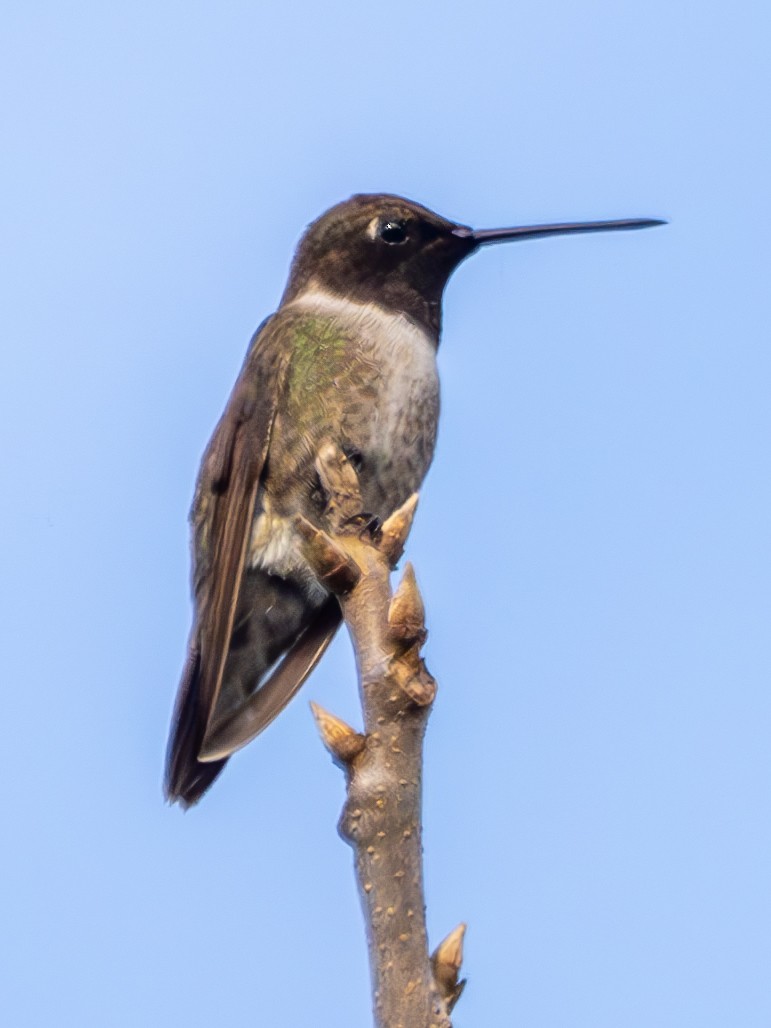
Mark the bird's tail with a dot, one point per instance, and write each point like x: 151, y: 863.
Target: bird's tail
x: 274, y: 622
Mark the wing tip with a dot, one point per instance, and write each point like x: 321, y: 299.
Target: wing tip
x: 186, y: 778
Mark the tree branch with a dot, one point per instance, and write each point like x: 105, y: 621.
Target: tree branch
x: 381, y: 819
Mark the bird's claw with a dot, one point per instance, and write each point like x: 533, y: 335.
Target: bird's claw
x: 367, y: 524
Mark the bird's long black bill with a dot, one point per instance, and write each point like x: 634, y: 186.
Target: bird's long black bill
x: 504, y: 235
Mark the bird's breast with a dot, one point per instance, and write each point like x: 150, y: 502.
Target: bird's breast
x: 367, y: 380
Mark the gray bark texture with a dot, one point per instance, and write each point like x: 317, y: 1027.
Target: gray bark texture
x: 381, y: 819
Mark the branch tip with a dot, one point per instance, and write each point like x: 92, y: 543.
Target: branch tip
x: 446, y: 961
x: 406, y: 614
x: 396, y: 528
x: 340, y: 482
x: 342, y: 741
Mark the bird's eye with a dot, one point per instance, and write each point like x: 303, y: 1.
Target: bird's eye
x: 393, y: 231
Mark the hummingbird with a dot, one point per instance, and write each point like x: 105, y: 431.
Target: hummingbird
x: 349, y: 357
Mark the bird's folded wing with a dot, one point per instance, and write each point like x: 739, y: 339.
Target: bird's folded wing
x: 224, y: 507
x: 221, y: 521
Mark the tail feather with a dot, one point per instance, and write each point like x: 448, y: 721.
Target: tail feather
x: 274, y: 620
x: 226, y: 735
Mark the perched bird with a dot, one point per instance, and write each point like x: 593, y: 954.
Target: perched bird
x: 348, y: 357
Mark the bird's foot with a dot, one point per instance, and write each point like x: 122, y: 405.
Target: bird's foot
x: 367, y: 524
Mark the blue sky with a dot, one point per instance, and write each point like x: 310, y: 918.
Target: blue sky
x: 592, y: 541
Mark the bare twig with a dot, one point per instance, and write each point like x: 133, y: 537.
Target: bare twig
x: 381, y: 819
